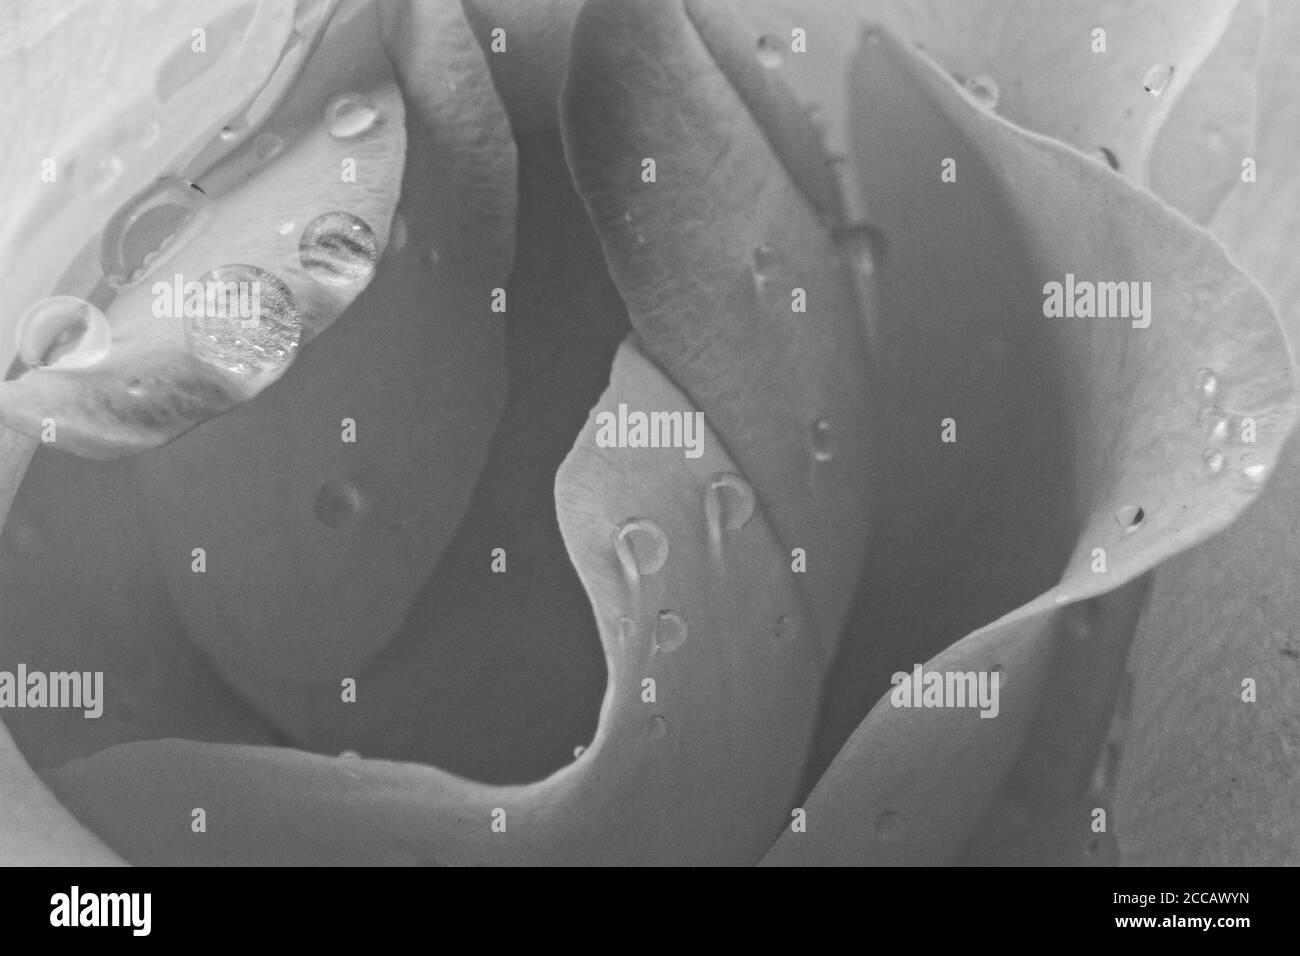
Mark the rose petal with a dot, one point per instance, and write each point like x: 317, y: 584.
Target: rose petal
x: 1128, y: 416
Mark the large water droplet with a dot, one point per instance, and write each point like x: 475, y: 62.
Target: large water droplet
x: 821, y: 441
x: 863, y: 247
x: 262, y: 341
x: 1157, y: 79
x: 63, y: 332
x: 350, y: 115
x: 1212, y: 461
x: 888, y: 826
x: 983, y: 90
x: 338, y: 502
x: 1213, y: 421
x: 1206, y: 383
x: 641, y: 546
x: 154, y: 224
x: 338, y: 248
x: 769, y: 52
x: 1129, y: 517
x: 670, y: 631
x: 728, y: 503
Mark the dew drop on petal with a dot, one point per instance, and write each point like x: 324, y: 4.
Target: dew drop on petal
x: 338, y: 502
x: 231, y: 133
x: 670, y: 631
x: 1129, y: 517
x: 286, y: 227
x: 1252, y: 466
x: 63, y: 332
x: 821, y: 441
x: 728, y: 503
x: 263, y: 341
x: 156, y: 222
x: 769, y: 52
x: 641, y: 546
x: 1107, y: 156
x: 148, y: 134
x: 1212, y: 461
x: 983, y: 89
x: 578, y: 751
x: 1157, y: 79
x: 767, y: 262
x: 888, y: 826
x: 1060, y: 597
x: 349, y: 755
x: 338, y: 248
x: 1206, y: 383
x: 350, y: 115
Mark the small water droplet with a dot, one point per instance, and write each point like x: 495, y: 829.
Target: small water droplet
x: 1212, y: 461
x: 338, y: 502
x: 1213, y: 422
x: 1129, y: 516
x: 1157, y: 79
x: 349, y: 755
x: 626, y: 629
x: 150, y: 227
x: 103, y: 174
x: 578, y: 751
x: 231, y: 132
x: 267, y: 146
x: 338, y: 248
x: 135, y: 388
x: 641, y: 546
x: 728, y: 503
x: 350, y: 115
x: 983, y: 89
x: 399, y: 234
x: 888, y: 826
x: 1060, y: 597
x: 862, y: 246
x: 286, y: 227
x: 63, y: 332
x: 148, y: 134
x: 659, y: 726
x: 1252, y: 466
x: 670, y: 631
x: 263, y: 341
x: 821, y: 441
x: 769, y: 52
x: 1206, y: 383
x: 1107, y: 156
x: 767, y: 262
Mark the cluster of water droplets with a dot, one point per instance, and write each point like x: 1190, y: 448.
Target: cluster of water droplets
x: 1219, y: 428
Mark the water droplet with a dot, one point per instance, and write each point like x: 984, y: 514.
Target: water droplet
x: 642, y: 547
x: 670, y: 631
x: 231, y: 132
x: 728, y: 503
x: 1206, y: 383
x: 63, y: 332
x: 769, y: 52
x: 338, y: 248
x: 338, y: 502
x: 267, y: 146
x: 399, y: 234
x: 1060, y: 597
x: 786, y: 628
x: 888, y: 826
x: 286, y: 227
x: 1157, y: 79
x: 349, y: 755
x: 578, y: 751
x: 626, y: 629
x: 1107, y: 156
x: 1252, y: 466
x: 983, y: 89
x: 1129, y: 516
x: 103, y: 174
x: 153, y: 225
x: 148, y: 135
x: 821, y: 441
x: 659, y: 726
x: 863, y: 247
x: 1212, y: 461
x: 135, y: 388
x: 350, y: 115
x: 1213, y: 421
x: 265, y: 340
